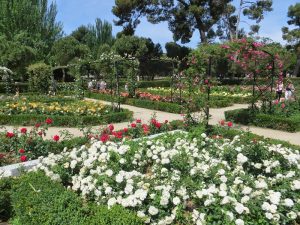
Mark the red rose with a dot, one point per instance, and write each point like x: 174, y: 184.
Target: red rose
x: 49, y: 121
x: 118, y: 134
x: 157, y: 125
x: 10, y: 134
x: 56, y: 138
x: 206, y: 81
x: 125, y: 129
x: 282, y: 105
x: 37, y: 125
x: 40, y: 133
x: 222, y: 122
x: 104, y: 138
x: 229, y: 124
x: 133, y: 125
x: 21, y: 151
x: 23, y: 130
x: 111, y: 127
x: 23, y: 158
x: 138, y: 121
x: 2, y: 156
x: 153, y: 121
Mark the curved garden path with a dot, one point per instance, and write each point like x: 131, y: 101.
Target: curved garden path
x: 216, y: 115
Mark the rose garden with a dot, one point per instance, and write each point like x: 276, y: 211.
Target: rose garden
x: 128, y: 135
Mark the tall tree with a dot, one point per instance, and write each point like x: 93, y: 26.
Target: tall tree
x: 174, y: 50
x: 183, y: 16
x: 229, y: 25
x: 95, y: 35
x: 292, y: 36
x: 35, y: 17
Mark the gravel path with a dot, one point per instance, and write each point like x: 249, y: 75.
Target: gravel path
x: 216, y: 115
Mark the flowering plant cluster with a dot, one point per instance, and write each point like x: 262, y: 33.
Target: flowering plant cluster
x: 181, y: 180
x: 136, y: 129
x: 68, y: 107
x: 22, y: 144
x: 286, y: 108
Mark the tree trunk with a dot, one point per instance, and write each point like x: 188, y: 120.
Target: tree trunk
x: 64, y: 75
x: 297, y: 68
x: 238, y: 19
x: 203, y: 36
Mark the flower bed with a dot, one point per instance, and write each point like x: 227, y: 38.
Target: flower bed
x: 64, y: 111
x: 180, y: 179
x: 23, y: 145
x: 285, y: 116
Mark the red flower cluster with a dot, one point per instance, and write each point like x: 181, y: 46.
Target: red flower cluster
x: 223, y: 123
x: 21, y: 151
x: 156, y: 123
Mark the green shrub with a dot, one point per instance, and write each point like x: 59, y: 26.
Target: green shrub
x: 154, y: 83
x: 244, y: 116
x: 5, y: 201
x: 117, y: 215
x: 104, y: 97
x: 161, y: 106
x: 39, y: 77
x: 23, y: 87
x: 37, y: 200
x: 65, y: 121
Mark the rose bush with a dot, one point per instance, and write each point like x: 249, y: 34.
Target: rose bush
x: 178, y: 179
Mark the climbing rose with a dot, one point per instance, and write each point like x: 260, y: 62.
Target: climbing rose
x: 23, y: 158
x: 21, y: 151
x: 138, y: 121
x: 125, y: 130
x: 133, y: 125
x: 49, y: 121
x: 229, y: 124
x: 56, y: 138
x: 23, y: 130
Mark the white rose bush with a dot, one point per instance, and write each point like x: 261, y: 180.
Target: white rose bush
x: 179, y: 179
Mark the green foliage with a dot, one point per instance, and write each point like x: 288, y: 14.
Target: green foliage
x: 174, y: 50
x: 65, y: 121
x: 244, y: 116
x: 38, y: 200
x: 67, y: 49
x: 5, y: 202
x: 183, y: 17
x: 293, y: 36
x: 39, y: 77
x: 162, y: 106
x: 95, y: 36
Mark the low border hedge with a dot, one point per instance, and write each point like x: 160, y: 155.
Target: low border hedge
x: 65, y: 121
x: 38, y: 200
x: 161, y: 106
x: 244, y: 116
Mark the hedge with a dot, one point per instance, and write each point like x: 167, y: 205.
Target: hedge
x: 38, y: 200
x: 244, y: 116
x: 65, y: 121
x: 161, y: 106
x: 104, y: 97
x: 23, y: 87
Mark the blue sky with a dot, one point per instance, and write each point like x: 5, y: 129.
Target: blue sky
x: 82, y: 12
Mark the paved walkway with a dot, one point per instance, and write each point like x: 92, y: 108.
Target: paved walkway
x: 216, y: 115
